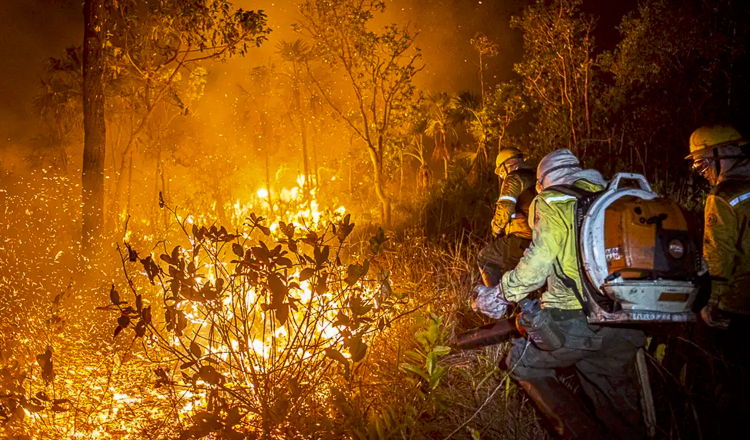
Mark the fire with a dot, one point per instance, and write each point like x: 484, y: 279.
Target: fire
x: 118, y: 387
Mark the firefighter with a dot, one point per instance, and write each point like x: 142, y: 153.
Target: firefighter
x: 721, y: 155
x: 604, y: 357
x: 510, y: 226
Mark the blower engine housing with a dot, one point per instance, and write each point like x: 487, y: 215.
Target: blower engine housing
x: 639, y: 258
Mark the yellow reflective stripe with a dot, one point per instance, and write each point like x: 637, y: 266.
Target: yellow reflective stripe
x: 563, y: 198
x: 739, y: 199
x: 512, y: 199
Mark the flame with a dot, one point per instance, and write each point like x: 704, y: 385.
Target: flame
x: 296, y: 205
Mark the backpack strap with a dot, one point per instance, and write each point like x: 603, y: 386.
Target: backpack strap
x: 584, y: 200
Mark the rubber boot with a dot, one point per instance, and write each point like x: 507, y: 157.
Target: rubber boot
x: 491, y: 275
x: 562, y: 409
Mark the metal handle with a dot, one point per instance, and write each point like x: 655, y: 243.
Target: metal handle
x: 619, y: 177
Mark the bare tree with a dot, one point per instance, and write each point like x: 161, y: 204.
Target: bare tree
x: 485, y: 49
x: 378, y: 70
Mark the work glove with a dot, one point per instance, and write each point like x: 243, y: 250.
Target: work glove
x: 713, y: 317
x: 497, y: 229
x: 490, y: 301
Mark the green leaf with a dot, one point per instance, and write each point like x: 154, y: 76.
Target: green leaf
x: 661, y: 349
x: 432, y: 333
x: 431, y: 363
x: 418, y: 357
x: 436, y: 376
x: 475, y: 434
x: 441, y: 350
x: 413, y: 369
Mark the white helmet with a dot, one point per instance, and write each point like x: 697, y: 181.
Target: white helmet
x: 560, y: 162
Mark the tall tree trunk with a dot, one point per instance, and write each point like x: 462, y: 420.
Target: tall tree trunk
x: 268, y: 182
x: 385, y: 202
x: 481, y: 77
x: 303, y: 133
x: 401, y: 183
x: 314, y: 144
x: 94, y: 129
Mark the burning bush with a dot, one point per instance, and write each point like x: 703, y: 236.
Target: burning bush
x: 256, y: 338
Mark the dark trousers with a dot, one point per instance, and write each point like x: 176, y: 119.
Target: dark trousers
x: 499, y: 256
x: 604, y: 358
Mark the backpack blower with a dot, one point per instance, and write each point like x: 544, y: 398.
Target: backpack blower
x: 638, y: 260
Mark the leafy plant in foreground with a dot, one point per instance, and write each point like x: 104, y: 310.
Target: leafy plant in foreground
x: 256, y: 339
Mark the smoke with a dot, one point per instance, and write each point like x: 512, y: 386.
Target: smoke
x: 30, y: 32
x: 35, y: 30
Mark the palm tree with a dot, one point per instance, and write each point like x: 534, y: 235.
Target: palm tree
x: 439, y: 126
x: 467, y: 109
x: 416, y: 149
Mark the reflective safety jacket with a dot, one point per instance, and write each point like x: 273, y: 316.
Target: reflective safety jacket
x: 553, y: 255
x: 726, y: 244
x: 512, y: 207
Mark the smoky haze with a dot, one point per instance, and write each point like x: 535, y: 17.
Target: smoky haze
x: 35, y: 30
x: 30, y: 32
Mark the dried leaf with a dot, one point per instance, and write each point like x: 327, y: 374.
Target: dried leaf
x: 338, y: 357
x: 114, y: 297
x: 195, y: 349
x: 123, y: 321
x: 306, y: 274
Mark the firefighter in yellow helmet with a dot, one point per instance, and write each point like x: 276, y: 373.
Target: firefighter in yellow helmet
x: 722, y: 155
x: 604, y: 357
x: 510, y: 226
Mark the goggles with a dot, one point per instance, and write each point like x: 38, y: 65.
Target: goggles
x: 701, y: 164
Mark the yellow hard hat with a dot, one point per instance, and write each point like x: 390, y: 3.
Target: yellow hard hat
x: 711, y: 137
x: 505, y: 155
